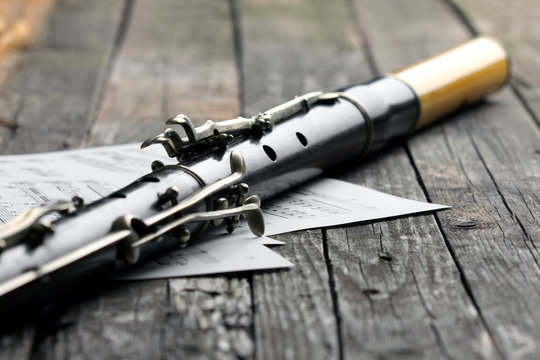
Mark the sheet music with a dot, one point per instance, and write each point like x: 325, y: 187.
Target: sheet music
x: 35, y: 179
x: 329, y: 202
x: 213, y: 253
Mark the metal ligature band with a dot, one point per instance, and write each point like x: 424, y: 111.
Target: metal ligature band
x: 221, y: 163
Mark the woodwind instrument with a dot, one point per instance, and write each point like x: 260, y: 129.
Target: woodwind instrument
x: 221, y: 163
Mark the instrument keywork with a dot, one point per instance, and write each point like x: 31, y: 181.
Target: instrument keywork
x: 46, y: 250
x: 218, y: 134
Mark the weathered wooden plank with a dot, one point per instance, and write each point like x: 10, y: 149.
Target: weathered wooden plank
x: 493, y: 230
x: 398, y: 287
x: 487, y: 168
x: 392, y: 310
x: 49, y: 91
x: 162, y: 319
x: 294, y: 316
x: 18, y: 26
x: 516, y: 24
x: 106, y: 326
x: 17, y: 343
x: 294, y: 47
x: 208, y: 318
x: 176, y: 56
x: 290, y: 48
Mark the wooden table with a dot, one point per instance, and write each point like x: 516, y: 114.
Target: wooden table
x: 463, y: 283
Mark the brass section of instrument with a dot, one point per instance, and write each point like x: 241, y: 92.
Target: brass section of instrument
x: 456, y: 78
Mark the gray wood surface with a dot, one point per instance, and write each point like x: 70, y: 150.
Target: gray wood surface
x: 296, y: 307
x: 50, y: 91
x: 516, y: 24
x: 420, y: 325
x: 462, y: 283
x: 483, y: 163
x: 174, y: 55
x: 165, y: 63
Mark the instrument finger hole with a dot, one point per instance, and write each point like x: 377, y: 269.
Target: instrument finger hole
x: 270, y: 152
x: 149, y: 179
x: 302, y: 139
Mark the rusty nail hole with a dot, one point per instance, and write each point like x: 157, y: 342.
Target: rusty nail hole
x: 371, y: 291
x: 385, y: 257
x: 467, y: 224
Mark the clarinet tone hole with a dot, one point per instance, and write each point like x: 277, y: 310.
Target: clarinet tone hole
x: 302, y: 138
x: 270, y: 152
x: 149, y: 179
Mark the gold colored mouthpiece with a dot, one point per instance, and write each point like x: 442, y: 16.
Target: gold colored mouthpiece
x: 456, y: 78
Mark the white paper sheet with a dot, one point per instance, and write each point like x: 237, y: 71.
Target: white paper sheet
x: 329, y: 202
x: 34, y: 179
x: 213, y: 254
x: 30, y: 180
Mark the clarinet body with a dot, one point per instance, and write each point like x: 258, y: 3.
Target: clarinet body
x: 222, y: 164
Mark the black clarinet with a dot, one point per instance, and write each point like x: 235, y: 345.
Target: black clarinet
x: 221, y: 163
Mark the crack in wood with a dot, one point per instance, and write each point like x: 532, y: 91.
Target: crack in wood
x: 238, y: 52
x: 465, y: 282
x: 252, y: 327
x: 118, y: 42
x: 333, y: 293
x: 507, y: 206
x: 366, y: 47
x: 438, y: 339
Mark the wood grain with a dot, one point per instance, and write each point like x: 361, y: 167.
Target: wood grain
x: 407, y: 306
x: 515, y: 24
x: 161, y: 319
x: 175, y: 55
x: 49, y: 91
x: 125, y: 322
x: 294, y: 316
x: 486, y: 167
x: 178, y: 57
x: 398, y: 287
x: 208, y: 318
x: 288, y: 49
